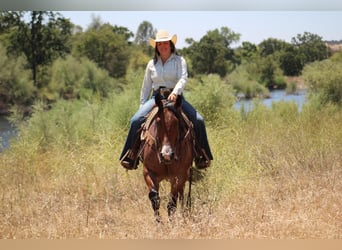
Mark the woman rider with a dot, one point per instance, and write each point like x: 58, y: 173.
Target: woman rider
x: 166, y: 70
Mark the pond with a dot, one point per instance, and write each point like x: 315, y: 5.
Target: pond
x: 7, y: 131
x: 275, y: 96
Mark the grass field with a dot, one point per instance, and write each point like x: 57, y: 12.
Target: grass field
x: 276, y: 175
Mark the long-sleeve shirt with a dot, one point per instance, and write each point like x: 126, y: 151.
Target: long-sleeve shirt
x: 172, y: 74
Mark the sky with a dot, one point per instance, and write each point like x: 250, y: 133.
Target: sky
x: 253, y: 26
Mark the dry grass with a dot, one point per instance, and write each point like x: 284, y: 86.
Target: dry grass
x: 264, y: 184
x: 303, y: 205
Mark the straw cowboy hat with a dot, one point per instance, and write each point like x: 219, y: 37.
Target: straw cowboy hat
x: 162, y: 36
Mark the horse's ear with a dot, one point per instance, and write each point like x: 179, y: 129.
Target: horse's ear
x: 178, y: 103
x: 157, y: 100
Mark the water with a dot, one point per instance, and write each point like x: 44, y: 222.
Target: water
x: 6, y: 133
x: 276, y: 96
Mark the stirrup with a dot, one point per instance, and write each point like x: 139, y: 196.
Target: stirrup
x: 128, y: 161
x: 202, y: 161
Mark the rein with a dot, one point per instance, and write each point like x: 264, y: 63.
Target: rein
x: 184, y: 137
x: 150, y: 139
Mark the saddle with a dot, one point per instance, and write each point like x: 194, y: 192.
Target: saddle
x: 145, y: 136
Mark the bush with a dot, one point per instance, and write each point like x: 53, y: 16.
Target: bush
x: 325, y: 80
x: 71, y: 78
x: 291, y: 88
x: 242, y: 82
x: 212, y: 98
x: 16, y: 85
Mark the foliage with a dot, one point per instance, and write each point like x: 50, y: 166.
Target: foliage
x: 291, y: 61
x: 272, y: 46
x: 325, y: 81
x: 212, y: 98
x: 16, y: 85
x: 138, y: 58
x: 144, y: 33
x: 245, y: 86
x: 291, y: 88
x: 46, y: 38
x: 337, y: 56
x: 311, y: 47
x: 256, y: 78
x: 304, y: 48
x: 71, y: 78
x: 277, y: 167
x: 42, y: 39
x: 106, y: 47
x: 211, y: 54
x: 245, y: 53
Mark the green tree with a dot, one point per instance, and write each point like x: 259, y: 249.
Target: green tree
x: 16, y: 85
x: 267, y: 72
x: 212, y: 53
x: 71, y: 78
x: 271, y: 46
x: 107, y: 46
x: 291, y: 62
x: 43, y: 38
x: 311, y: 47
x: 246, y: 52
x: 325, y: 81
x: 144, y: 32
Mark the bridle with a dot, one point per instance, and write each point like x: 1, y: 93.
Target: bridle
x: 152, y: 139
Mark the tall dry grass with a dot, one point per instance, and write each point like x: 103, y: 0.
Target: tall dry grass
x: 276, y: 175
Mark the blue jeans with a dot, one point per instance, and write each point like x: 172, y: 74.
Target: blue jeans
x: 139, y: 118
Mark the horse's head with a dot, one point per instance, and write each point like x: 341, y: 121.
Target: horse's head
x: 167, y: 128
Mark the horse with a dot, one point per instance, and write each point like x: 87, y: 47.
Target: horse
x: 167, y: 152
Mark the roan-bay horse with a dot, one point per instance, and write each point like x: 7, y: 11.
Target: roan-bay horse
x: 167, y: 152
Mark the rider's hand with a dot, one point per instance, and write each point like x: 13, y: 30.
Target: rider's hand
x: 172, y: 97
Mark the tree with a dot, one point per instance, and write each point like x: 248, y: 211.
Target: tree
x: 42, y: 39
x: 246, y: 52
x: 144, y: 32
x: 126, y: 33
x: 107, y: 46
x: 291, y: 62
x: 16, y: 86
x: 324, y: 78
x: 311, y: 47
x: 212, y: 53
x: 271, y: 46
x: 267, y: 71
x: 71, y: 78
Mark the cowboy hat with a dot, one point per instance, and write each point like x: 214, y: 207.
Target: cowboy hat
x: 162, y: 36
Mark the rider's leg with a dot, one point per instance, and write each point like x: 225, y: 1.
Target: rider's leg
x: 204, y: 155
x: 131, y: 147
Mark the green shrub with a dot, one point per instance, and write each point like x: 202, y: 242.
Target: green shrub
x: 212, y: 98
x: 16, y: 85
x: 72, y: 78
x: 325, y: 81
x: 243, y: 83
x: 291, y: 88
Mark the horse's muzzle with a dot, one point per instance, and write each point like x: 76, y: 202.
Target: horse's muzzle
x: 167, y: 155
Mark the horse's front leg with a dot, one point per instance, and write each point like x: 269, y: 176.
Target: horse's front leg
x: 153, y: 187
x: 177, y: 192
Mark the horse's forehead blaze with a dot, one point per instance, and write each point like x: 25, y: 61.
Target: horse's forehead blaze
x: 171, y: 122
